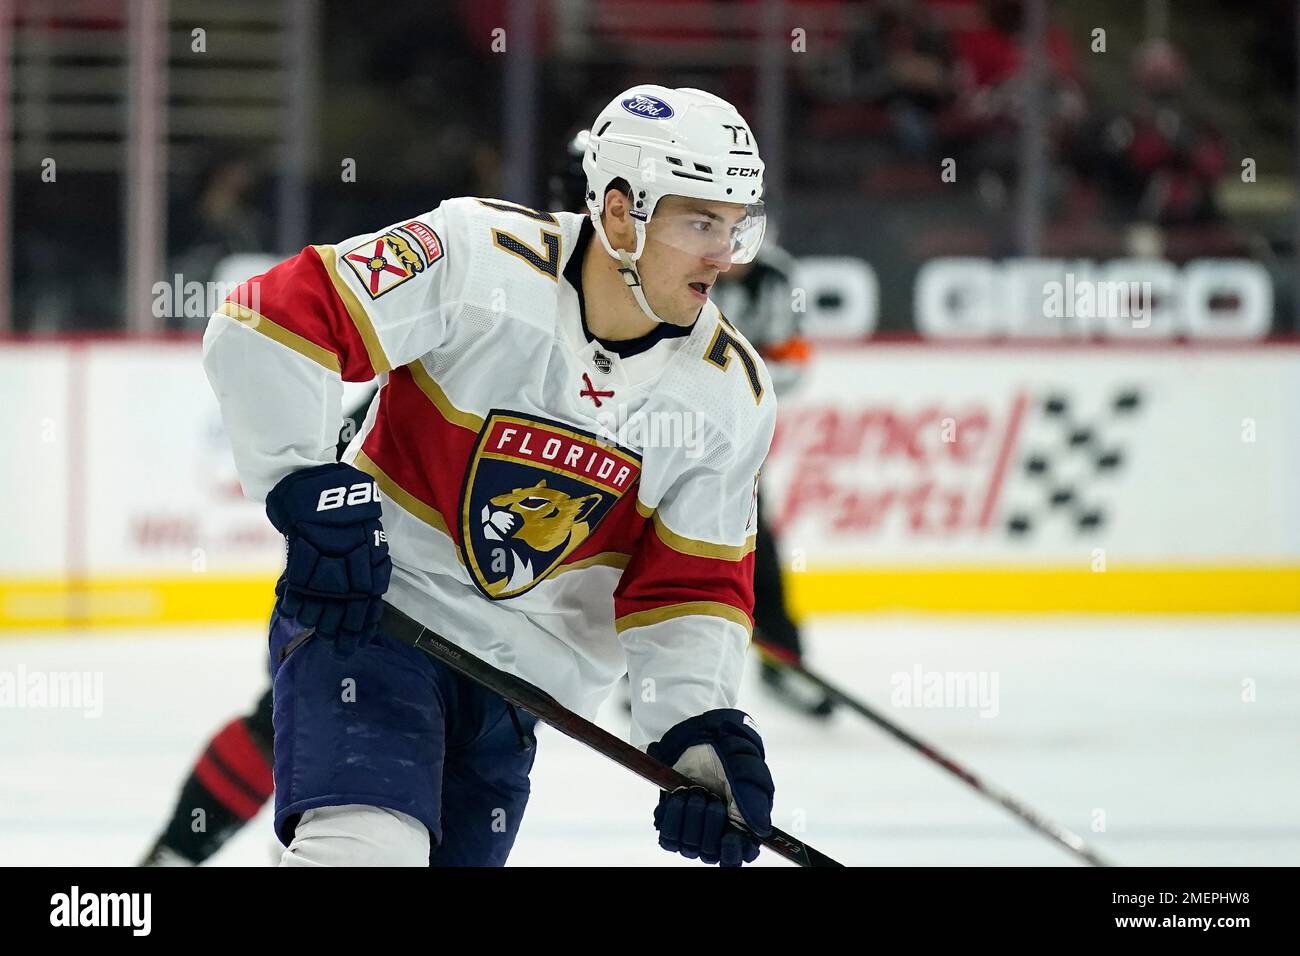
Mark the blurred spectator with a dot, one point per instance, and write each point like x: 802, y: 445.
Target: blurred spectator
x: 993, y: 100
x: 1161, y: 160
x: 220, y: 219
x: 901, y: 62
x: 991, y: 55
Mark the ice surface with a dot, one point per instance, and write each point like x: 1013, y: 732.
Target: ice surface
x: 1140, y: 724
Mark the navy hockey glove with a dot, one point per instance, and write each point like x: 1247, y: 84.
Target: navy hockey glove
x: 337, y: 568
x: 722, y: 751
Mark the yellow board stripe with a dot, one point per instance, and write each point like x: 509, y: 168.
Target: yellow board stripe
x: 700, y: 549
x: 278, y: 333
x: 198, y: 598
x: 426, y: 513
x: 657, y: 614
x: 360, y: 318
x: 433, y: 391
x: 204, y: 598
x: 1160, y: 589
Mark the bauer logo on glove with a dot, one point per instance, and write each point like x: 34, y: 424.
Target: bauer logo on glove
x: 337, y: 566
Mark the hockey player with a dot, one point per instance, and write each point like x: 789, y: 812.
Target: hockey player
x: 563, y: 462
x: 755, y: 296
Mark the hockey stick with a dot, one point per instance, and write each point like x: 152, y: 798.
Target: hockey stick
x: 1062, y: 835
x: 546, y: 708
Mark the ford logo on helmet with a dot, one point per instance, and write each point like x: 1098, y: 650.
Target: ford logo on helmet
x: 651, y: 107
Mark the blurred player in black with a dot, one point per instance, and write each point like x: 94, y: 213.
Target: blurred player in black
x: 756, y: 298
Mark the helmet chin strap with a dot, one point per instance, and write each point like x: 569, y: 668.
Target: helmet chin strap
x: 627, y: 268
x: 633, y: 279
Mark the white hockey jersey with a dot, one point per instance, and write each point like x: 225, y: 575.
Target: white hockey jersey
x: 557, y: 509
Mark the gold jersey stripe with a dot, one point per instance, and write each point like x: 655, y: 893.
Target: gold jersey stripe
x: 701, y: 549
x: 691, y: 608
x: 426, y: 513
x: 278, y: 333
x: 433, y: 391
x: 360, y: 318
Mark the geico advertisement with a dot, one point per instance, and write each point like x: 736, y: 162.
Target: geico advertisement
x: 901, y: 452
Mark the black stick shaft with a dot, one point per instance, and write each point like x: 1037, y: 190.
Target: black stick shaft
x: 546, y: 708
x: 1062, y: 835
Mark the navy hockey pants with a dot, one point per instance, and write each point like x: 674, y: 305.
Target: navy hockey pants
x: 391, y: 727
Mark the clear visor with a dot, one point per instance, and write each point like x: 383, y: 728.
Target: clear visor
x: 721, y: 232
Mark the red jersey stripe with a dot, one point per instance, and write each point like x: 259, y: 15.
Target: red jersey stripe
x: 299, y: 297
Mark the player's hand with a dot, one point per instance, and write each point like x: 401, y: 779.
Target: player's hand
x: 722, y: 751
x: 337, y: 568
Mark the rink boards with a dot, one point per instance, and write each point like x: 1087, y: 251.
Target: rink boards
x: 949, y: 478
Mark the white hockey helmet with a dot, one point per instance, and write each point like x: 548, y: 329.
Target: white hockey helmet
x: 680, y: 142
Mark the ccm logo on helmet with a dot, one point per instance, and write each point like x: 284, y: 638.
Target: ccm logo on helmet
x: 742, y: 171
x: 651, y: 107
x: 358, y: 494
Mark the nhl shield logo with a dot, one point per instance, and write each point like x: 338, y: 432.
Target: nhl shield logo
x: 534, y: 492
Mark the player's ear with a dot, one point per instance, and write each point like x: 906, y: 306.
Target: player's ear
x: 617, y: 219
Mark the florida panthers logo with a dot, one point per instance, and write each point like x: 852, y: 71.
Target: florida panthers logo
x: 400, y: 254
x: 534, y: 493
